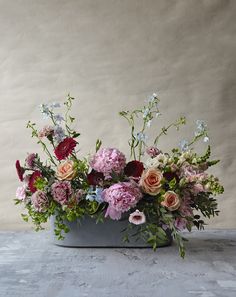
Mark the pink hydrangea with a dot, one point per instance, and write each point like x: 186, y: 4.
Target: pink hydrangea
x: 61, y: 191
x: 39, y: 200
x: 121, y: 197
x: 107, y: 161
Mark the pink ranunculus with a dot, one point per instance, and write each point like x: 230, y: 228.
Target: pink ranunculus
x: 122, y: 196
x: 153, y: 151
x: 61, y: 191
x: 30, y: 161
x: 108, y: 161
x: 40, y: 201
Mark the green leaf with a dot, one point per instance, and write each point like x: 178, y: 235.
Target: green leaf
x: 25, y: 217
x: 172, y: 183
x: 98, y: 144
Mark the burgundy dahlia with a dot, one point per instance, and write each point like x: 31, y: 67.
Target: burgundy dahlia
x: 134, y: 169
x: 20, y: 171
x: 95, y: 178
x: 33, y: 178
x: 65, y: 148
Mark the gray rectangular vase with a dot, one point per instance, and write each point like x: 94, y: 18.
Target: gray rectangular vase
x: 86, y: 233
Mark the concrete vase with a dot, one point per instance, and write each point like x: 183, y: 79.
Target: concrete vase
x: 86, y: 233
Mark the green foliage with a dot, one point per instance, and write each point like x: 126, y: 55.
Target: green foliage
x: 207, y: 205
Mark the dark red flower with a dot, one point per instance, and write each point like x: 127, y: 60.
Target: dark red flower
x: 65, y: 148
x: 134, y: 169
x: 170, y: 175
x: 34, y: 176
x: 20, y: 171
x: 95, y: 178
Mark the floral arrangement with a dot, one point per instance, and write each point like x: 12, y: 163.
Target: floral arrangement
x: 167, y: 191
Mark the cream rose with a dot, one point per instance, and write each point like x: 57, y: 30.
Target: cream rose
x: 150, y: 181
x: 171, y: 201
x: 66, y: 170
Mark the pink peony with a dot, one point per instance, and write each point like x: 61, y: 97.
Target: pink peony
x: 113, y: 214
x: 121, y: 197
x: 40, y: 201
x: 108, y: 161
x: 30, y: 160
x: 61, y: 191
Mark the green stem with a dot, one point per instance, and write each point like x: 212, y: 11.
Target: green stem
x: 35, y: 133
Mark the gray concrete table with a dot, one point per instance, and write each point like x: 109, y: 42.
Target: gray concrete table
x: 31, y: 266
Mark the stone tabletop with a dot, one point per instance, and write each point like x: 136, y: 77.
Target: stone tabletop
x: 30, y: 265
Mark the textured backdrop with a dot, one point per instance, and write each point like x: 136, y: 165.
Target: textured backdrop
x: 111, y: 54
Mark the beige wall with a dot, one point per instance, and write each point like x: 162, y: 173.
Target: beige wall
x: 111, y: 54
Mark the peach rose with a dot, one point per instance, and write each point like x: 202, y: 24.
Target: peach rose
x: 150, y: 181
x: 66, y: 170
x: 171, y: 201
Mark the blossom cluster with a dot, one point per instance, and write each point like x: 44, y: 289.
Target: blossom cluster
x: 153, y: 191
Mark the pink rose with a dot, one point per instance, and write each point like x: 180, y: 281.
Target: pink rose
x: 171, y: 201
x: 66, y: 170
x: 150, y: 181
